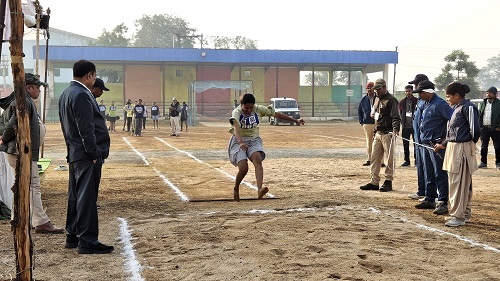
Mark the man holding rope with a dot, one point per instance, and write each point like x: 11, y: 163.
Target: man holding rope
x: 435, y: 113
x: 387, y: 124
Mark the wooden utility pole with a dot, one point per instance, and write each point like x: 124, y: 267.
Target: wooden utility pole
x: 21, y: 188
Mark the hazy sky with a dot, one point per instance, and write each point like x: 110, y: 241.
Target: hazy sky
x: 425, y: 31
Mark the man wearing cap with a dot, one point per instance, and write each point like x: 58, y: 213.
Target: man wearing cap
x: 175, y: 109
x: 406, y: 109
x: 431, y: 130
x: 366, y: 120
x: 387, y: 124
x: 39, y: 218
x: 489, y: 120
x: 98, y: 88
x: 418, y: 159
x: 97, y: 91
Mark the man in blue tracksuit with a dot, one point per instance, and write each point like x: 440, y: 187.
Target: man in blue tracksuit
x: 418, y: 160
x: 434, y: 113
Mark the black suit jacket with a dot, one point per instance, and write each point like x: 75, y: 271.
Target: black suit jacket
x: 82, y: 124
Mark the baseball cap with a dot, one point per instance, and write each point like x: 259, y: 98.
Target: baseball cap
x: 379, y: 83
x: 32, y: 79
x: 425, y: 86
x: 418, y: 78
x: 100, y: 84
x: 174, y: 98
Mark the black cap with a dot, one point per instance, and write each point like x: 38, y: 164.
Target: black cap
x: 424, y: 85
x: 492, y: 90
x: 32, y: 79
x: 418, y: 78
x: 100, y: 84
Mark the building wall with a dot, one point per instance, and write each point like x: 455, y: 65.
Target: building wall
x: 256, y: 75
x: 288, y: 83
x: 142, y: 82
x: 176, y: 84
x: 208, y: 73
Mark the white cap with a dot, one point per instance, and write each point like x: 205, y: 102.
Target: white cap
x: 174, y: 98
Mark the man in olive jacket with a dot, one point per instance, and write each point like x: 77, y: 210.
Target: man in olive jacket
x: 39, y: 220
x: 489, y: 120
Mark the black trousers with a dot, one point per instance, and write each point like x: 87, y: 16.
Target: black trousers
x: 81, y: 218
x: 486, y: 135
x: 406, y: 133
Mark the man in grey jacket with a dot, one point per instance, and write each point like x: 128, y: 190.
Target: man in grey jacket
x: 39, y: 219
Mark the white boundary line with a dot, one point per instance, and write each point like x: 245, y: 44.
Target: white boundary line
x: 182, y: 196
x: 136, y: 151
x: 441, y: 232
x: 132, y: 265
x: 217, y: 169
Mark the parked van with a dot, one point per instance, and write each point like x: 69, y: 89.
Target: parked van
x: 287, y: 106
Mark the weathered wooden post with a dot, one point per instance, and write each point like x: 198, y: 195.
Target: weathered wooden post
x: 21, y: 222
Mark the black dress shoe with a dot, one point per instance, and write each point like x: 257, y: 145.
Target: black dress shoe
x: 96, y: 249
x: 387, y: 186
x: 369, y: 186
x: 367, y: 163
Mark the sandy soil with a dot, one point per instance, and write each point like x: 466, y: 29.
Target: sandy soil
x: 317, y: 226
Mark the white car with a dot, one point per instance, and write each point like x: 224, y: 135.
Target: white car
x: 287, y: 106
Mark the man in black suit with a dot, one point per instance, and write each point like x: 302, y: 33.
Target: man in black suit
x: 87, y: 142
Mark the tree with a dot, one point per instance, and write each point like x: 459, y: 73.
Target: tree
x: 236, y: 43
x: 320, y: 78
x: 342, y: 78
x: 490, y: 74
x: 466, y: 72
x: 115, y: 38
x: 163, y: 31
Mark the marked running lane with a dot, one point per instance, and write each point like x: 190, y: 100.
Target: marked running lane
x: 350, y: 208
x: 132, y: 265
x: 217, y: 169
x: 174, y: 188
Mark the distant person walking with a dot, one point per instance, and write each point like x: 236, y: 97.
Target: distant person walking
x: 407, y: 110
x: 366, y: 120
x: 175, y: 110
x: 184, y: 115
x: 155, y: 115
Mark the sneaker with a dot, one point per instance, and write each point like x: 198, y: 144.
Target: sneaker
x: 387, y: 186
x: 455, y: 222
x: 426, y: 205
x: 466, y: 220
x: 415, y: 196
x: 482, y: 165
x: 382, y: 165
x: 498, y: 166
x: 441, y: 209
x: 367, y: 163
x: 369, y: 186
x: 61, y: 168
x: 172, y: 135
x: 405, y: 164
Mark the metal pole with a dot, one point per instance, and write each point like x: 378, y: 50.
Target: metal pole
x: 312, y: 92
x: 349, y: 87
x: 3, y: 7
x: 45, y: 88
x: 394, y: 79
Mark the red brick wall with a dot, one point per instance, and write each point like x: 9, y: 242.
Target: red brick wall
x: 288, y: 83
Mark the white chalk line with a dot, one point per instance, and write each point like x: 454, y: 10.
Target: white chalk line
x: 136, y: 151
x: 217, y: 169
x: 177, y: 191
x: 132, y: 265
x: 441, y: 232
x: 354, y: 208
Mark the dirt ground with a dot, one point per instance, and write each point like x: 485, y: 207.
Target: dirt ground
x: 172, y: 197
